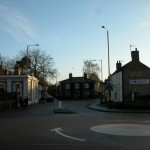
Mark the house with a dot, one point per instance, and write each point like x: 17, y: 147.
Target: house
x: 130, y: 82
x: 77, y: 87
x: 20, y: 85
x: 13, y: 85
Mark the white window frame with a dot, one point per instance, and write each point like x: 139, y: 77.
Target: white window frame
x: 86, y: 85
x: 3, y: 85
x: 67, y: 93
x: 67, y: 86
x: 87, y: 93
x: 77, y: 86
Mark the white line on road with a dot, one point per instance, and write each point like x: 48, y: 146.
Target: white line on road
x: 147, y: 121
x: 57, y: 130
x: 123, y: 129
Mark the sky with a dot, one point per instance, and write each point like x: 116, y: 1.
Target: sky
x: 71, y: 31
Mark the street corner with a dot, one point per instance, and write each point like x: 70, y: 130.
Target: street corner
x: 63, y: 111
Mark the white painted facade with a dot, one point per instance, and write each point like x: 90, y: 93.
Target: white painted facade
x: 24, y: 85
x: 116, y: 92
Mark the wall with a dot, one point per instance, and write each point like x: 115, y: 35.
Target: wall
x: 116, y: 91
x: 135, y: 72
x: 22, y: 85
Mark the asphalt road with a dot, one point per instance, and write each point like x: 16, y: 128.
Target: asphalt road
x: 39, y: 128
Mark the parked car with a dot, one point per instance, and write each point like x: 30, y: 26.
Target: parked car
x: 49, y: 98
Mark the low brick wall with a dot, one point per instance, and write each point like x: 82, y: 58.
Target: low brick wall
x: 7, y: 105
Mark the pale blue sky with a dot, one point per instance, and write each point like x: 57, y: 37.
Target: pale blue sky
x: 70, y: 30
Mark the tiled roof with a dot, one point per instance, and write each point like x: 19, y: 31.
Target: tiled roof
x: 77, y: 80
x: 128, y: 64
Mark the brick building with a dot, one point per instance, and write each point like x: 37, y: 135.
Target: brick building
x: 130, y: 82
x: 77, y: 87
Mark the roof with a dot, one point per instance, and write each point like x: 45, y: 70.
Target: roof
x: 128, y: 64
x: 77, y: 80
x: 17, y: 77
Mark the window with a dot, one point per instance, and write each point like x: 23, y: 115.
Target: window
x: 2, y: 87
x: 67, y: 94
x: 86, y: 85
x: 87, y: 93
x: 67, y: 86
x: 18, y: 88
x: 77, y: 86
x: 36, y: 90
x: 29, y: 89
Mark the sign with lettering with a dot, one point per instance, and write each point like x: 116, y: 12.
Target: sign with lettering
x: 139, y: 81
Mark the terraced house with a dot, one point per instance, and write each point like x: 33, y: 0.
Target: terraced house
x: 77, y: 87
x: 131, y: 82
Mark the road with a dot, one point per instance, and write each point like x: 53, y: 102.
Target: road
x: 38, y: 127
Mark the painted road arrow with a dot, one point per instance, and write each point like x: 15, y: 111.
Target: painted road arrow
x: 58, y: 131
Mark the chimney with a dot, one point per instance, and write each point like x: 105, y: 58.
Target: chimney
x: 135, y: 55
x: 70, y: 75
x: 85, y: 76
x: 118, y: 65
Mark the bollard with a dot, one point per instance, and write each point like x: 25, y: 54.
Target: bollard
x: 60, y: 104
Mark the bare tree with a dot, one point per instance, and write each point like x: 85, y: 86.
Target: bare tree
x: 91, y: 69
x: 43, y: 64
x: 7, y: 63
x: 39, y: 63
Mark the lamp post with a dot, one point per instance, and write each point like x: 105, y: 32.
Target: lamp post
x: 83, y: 94
x: 44, y: 74
x: 108, y: 66
x: 101, y: 69
x: 27, y: 54
x: 101, y: 97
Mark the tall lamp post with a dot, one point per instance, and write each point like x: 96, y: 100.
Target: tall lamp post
x: 27, y: 55
x: 108, y: 66
x: 83, y: 94
x: 101, y: 80
x: 44, y: 87
x: 101, y: 69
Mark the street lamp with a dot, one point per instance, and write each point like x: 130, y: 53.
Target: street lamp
x: 27, y: 54
x: 83, y: 94
x: 101, y: 80
x: 108, y: 50
x: 108, y: 66
x: 44, y: 74
x: 101, y: 69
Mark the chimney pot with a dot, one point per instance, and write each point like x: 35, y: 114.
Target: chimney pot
x: 118, y: 65
x: 135, y: 55
x: 85, y: 75
x: 70, y: 75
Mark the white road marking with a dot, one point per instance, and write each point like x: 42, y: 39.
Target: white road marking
x: 123, y: 129
x: 57, y: 130
x: 147, y: 121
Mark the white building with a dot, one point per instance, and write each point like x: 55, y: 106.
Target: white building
x: 116, y: 82
x: 23, y: 85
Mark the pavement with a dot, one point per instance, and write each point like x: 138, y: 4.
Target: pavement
x: 100, y: 107
x: 63, y: 110
x: 95, y: 105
